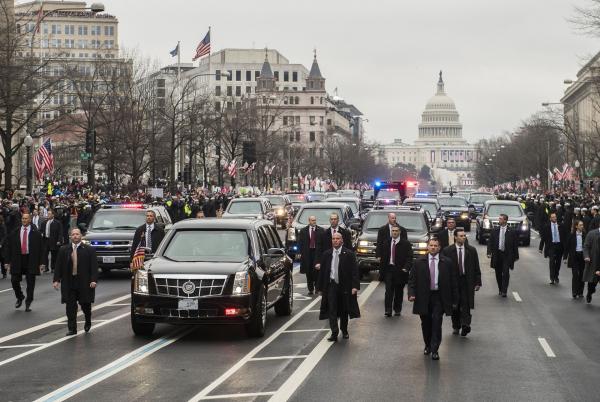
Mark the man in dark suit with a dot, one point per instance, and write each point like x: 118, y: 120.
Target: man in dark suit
x: 150, y: 233
x: 433, y: 289
x: 384, y: 234
x: 446, y: 236
x: 52, y: 238
x: 76, y: 274
x: 23, y: 256
x: 310, y: 243
x: 553, y: 239
x: 334, y: 227
x: 465, y: 262
x: 338, y: 284
x: 503, y: 249
x: 396, y: 264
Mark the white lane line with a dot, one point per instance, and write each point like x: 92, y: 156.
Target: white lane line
x: 290, y: 331
x: 313, y: 311
x: 58, y: 320
x: 114, y: 367
x: 121, y: 304
x: 247, y: 395
x: 517, y: 297
x: 546, y: 347
x: 5, y: 290
x: 256, y: 359
x: 208, y: 389
x: 31, y: 345
x: 297, y: 378
x: 66, y: 338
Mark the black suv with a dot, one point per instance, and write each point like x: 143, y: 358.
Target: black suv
x: 457, y: 208
x: 477, y: 201
x: 111, y: 231
x: 517, y: 220
x: 215, y: 271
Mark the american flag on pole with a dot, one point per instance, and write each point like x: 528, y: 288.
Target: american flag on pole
x: 44, y: 160
x: 203, y: 47
x: 137, y: 261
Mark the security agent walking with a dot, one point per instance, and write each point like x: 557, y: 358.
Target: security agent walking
x: 446, y: 236
x: 338, y: 284
x: 574, y: 256
x: 503, y: 249
x: 310, y: 242
x: 151, y: 233
x: 334, y: 222
x: 76, y: 274
x: 553, y: 240
x: 384, y: 234
x: 465, y: 262
x: 591, y: 256
x: 434, y: 290
x: 396, y: 264
x: 23, y: 256
x: 52, y: 237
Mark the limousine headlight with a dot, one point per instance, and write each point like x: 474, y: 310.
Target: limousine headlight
x: 241, y: 283
x: 140, y: 283
x: 363, y: 243
x: 464, y: 215
x: 525, y: 225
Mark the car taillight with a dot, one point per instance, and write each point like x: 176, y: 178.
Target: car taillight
x: 232, y: 311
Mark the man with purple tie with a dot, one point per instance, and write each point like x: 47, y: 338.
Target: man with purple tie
x: 433, y: 288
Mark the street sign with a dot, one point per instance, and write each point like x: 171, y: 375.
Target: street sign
x: 589, y: 173
x: 85, y: 156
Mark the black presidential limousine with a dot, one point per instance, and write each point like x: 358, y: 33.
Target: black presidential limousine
x: 214, y: 271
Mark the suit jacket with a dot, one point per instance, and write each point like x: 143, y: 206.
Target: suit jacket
x: 402, y: 263
x: 87, y: 272
x: 591, y: 250
x: 304, y: 246
x: 345, y: 235
x: 444, y: 238
x: 12, y: 251
x: 55, y: 240
x: 546, y: 237
x: 471, y: 268
x: 511, y: 248
x: 570, y: 251
x: 157, y: 235
x: 37, y: 221
x: 383, y: 235
x: 419, y: 285
x: 348, y: 279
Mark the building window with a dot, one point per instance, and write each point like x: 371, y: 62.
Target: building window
x: 320, y: 152
x: 109, y: 31
x: 297, y: 120
x: 69, y: 29
x: 286, y: 76
x: 217, y: 75
x: 229, y: 105
x: 248, y: 90
x: 83, y: 29
x: 95, y: 30
x: 217, y: 105
x: 218, y: 90
x: 313, y: 152
x: 312, y: 120
x: 321, y: 118
x: 56, y: 29
x: 297, y: 99
x: 312, y: 100
x: 238, y: 75
x: 291, y: 137
x: 238, y: 91
x: 229, y: 91
x: 285, y: 100
x: 276, y: 74
x: 294, y: 76
x: 256, y: 75
x: 297, y: 136
x: 312, y: 136
x: 230, y: 77
x: 329, y: 122
x: 285, y: 120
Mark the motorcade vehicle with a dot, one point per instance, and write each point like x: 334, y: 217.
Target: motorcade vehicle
x: 322, y: 211
x: 476, y: 201
x: 282, y: 206
x: 316, y: 197
x: 331, y: 194
x: 367, y: 199
x: 413, y: 218
x: 253, y: 208
x: 387, y: 196
x: 432, y: 206
x: 297, y: 200
x: 214, y: 271
x: 353, y: 202
x: 457, y: 208
x: 349, y: 193
x: 517, y: 220
x: 111, y: 230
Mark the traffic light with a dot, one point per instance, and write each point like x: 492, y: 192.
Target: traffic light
x: 249, y: 152
x: 90, y: 141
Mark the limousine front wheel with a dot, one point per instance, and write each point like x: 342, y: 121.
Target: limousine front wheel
x: 256, y: 327
x: 141, y: 328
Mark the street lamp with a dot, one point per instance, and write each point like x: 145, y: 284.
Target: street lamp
x: 28, y: 142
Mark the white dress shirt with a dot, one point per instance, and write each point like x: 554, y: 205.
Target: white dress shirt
x: 48, y: 223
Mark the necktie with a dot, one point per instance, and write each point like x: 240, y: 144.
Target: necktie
x: 555, y: 238
x: 450, y: 238
x: 460, y: 261
x: 312, y: 238
x: 393, y: 253
x: 24, y: 239
x: 432, y: 272
x: 334, y: 266
x: 74, y: 260
x: 334, y: 230
x: 501, y: 245
x: 148, y: 236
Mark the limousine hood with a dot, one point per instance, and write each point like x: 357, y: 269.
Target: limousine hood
x: 161, y: 265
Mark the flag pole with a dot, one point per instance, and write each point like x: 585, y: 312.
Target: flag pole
x: 178, y: 61
x: 209, y: 53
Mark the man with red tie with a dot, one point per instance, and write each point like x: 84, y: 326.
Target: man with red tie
x: 23, y: 254
x: 433, y: 288
x: 310, y: 244
x: 396, y: 262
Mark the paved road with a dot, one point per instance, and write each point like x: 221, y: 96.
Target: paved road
x: 502, y: 359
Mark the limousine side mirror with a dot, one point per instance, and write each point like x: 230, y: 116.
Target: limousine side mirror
x: 276, y: 252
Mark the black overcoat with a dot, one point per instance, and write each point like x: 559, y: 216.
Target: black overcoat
x: 158, y: 234
x: 348, y: 277
x: 471, y: 267
x: 12, y: 251
x: 55, y: 240
x: 419, y: 285
x: 511, y: 247
x: 571, y: 247
x: 87, y: 272
x: 304, y: 246
x: 546, y: 237
x: 383, y: 235
x: 402, y: 263
x: 346, y: 236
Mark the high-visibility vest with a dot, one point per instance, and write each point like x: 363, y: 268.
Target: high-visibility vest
x: 50, y: 189
x: 187, y: 209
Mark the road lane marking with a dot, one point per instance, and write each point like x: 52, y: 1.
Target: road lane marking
x: 208, y: 389
x: 255, y: 359
x: 546, y: 347
x: 31, y: 345
x: 114, y: 367
x: 58, y: 320
x: 306, y: 367
x: 305, y: 330
x: 313, y: 311
x: 230, y: 396
x: 66, y: 338
x: 5, y: 290
x: 121, y: 304
x: 517, y: 297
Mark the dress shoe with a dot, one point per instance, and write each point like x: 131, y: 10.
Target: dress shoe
x: 345, y: 335
x: 87, y: 326
x: 503, y: 294
x: 397, y: 314
x: 3, y: 276
x: 310, y: 293
x: 426, y: 351
x: 71, y: 333
x: 332, y: 338
x: 388, y: 314
x: 19, y: 303
x: 455, y: 331
x: 28, y: 306
x: 551, y: 282
x: 465, y: 330
x: 435, y: 356
x: 556, y: 281
x: 588, y: 298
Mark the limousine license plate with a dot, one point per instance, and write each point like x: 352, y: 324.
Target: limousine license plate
x: 187, y: 304
x: 108, y: 260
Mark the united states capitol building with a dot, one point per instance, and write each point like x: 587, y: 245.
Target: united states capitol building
x: 440, y: 145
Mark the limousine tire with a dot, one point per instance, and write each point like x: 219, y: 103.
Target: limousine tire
x: 141, y: 328
x: 286, y: 303
x: 256, y: 327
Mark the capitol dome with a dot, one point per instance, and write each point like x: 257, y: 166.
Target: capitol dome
x: 440, y: 120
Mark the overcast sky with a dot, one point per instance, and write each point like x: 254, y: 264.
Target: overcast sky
x: 500, y: 59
